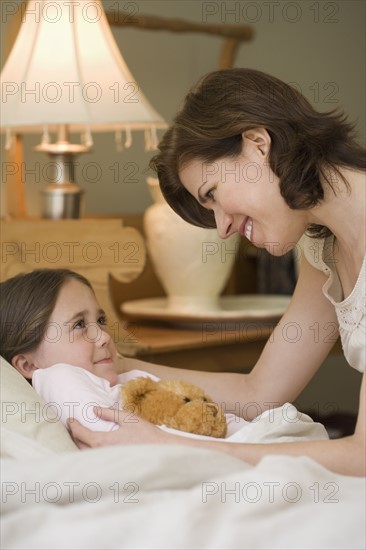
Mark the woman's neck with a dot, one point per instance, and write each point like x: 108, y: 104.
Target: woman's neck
x: 344, y: 212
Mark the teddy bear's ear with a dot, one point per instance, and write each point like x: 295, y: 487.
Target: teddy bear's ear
x: 134, y: 392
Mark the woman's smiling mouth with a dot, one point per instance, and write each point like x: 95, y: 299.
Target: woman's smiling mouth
x: 246, y: 228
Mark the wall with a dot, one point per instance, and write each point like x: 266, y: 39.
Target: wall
x: 319, y: 46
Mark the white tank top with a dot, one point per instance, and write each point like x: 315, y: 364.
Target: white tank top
x: 351, y: 310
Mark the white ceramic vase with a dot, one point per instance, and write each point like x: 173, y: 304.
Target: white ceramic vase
x: 193, y: 264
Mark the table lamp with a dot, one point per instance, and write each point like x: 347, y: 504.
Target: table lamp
x: 65, y: 74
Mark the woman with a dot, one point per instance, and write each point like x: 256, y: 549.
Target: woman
x: 248, y: 154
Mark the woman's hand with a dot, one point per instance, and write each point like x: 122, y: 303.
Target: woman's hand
x: 132, y: 430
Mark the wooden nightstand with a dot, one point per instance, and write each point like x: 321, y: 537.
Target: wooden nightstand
x: 213, y: 347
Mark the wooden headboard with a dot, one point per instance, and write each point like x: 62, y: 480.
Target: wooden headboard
x: 100, y: 250
x: 233, y: 35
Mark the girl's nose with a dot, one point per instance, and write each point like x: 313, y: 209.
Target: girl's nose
x: 103, y: 338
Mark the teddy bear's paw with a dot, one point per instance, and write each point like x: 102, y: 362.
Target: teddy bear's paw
x: 134, y: 393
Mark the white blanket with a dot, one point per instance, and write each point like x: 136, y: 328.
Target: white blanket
x: 161, y: 496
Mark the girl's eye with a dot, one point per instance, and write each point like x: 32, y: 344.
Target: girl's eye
x: 102, y: 320
x: 80, y: 324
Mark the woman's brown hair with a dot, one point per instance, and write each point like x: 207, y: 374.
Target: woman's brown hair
x: 26, y: 304
x: 306, y: 146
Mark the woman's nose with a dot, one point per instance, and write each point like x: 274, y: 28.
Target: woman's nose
x: 224, y: 224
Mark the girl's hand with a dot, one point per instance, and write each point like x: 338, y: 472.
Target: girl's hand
x: 132, y: 430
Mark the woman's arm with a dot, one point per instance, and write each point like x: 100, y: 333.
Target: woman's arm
x: 291, y: 357
x: 345, y: 456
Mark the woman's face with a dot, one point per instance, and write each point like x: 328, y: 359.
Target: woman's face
x: 76, y: 334
x: 244, y: 195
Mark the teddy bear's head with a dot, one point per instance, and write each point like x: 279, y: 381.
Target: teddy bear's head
x: 176, y: 404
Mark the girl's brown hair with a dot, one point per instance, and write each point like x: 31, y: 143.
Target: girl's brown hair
x: 26, y: 304
x: 306, y: 146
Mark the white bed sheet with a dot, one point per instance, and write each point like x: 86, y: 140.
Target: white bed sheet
x: 160, y: 496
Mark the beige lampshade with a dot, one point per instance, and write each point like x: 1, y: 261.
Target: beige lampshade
x: 65, y: 68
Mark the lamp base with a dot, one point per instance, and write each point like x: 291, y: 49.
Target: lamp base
x: 61, y: 201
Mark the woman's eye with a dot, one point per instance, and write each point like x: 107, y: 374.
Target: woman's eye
x: 210, y: 195
x: 80, y: 324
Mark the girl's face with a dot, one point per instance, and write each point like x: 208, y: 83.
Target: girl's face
x: 244, y: 195
x: 76, y: 334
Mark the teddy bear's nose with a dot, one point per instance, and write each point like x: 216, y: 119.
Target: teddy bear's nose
x: 212, y: 409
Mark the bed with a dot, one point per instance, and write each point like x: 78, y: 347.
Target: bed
x: 158, y: 496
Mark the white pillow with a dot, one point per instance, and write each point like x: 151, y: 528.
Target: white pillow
x: 28, y: 425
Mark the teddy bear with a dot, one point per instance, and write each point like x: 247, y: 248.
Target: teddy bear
x: 176, y: 404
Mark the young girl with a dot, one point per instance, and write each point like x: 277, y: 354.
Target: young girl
x: 54, y: 333
x: 247, y: 153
